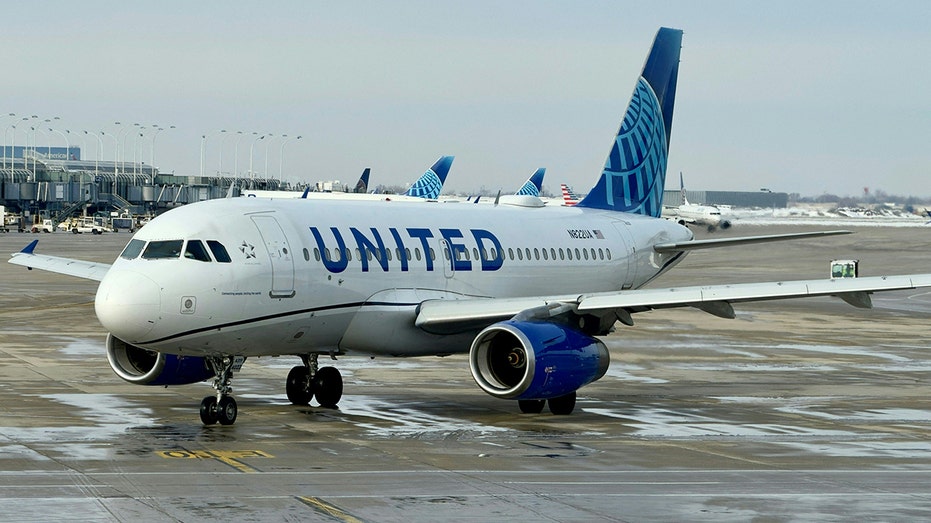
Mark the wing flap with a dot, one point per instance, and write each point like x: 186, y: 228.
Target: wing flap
x: 77, y: 268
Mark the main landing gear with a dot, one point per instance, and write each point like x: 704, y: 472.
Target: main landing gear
x: 307, y: 380
x: 221, y: 407
x: 562, y: 405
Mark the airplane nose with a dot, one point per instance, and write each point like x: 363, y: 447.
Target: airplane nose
x: 128, y: 305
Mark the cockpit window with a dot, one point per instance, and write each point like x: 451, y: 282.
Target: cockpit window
x: 133, y: 248
x: 163, y: 249
x: 195, y: 250
x: 219, y: 251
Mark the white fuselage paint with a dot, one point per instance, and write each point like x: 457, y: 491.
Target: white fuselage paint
x: 277, y: 295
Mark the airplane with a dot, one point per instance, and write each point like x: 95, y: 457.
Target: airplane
x: 426, y: 186
x: 431, y: 183
x: 362, y: 186
x: 568, y: 197
x: 533, y: 185
x: 525, y: 292
x: 527, y: 196
x: 698, y: 214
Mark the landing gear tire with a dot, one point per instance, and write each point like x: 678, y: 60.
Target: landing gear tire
x: 299, y: 386
x: 327, y: 384
x: 208, y: 410
x: 531, y: 406
x: 227, y: 410
x: 563, y: 405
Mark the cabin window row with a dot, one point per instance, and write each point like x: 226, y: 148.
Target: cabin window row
x: 518, y: 254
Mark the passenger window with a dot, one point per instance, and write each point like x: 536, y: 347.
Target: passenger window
x: 569, y: 253
x: 475, y: 253
x: 520, y: 254
x: 536, y: 253
x: 316, y: 254
x: 219, y: 251
x: 163, y: 250
x: 553, y: 253
x: 562, y: 254
x: 510, y: 253
x: 195, y: 250
x: 306, y: 254
x: 133, y: 248
x: 545, y: 255
x: 417, y: 253
x: 608, y: 252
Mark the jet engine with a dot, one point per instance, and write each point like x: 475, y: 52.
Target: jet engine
x: 146, y: 367
x: 526, y: 360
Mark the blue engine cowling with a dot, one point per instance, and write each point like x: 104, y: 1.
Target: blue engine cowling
x: 145, y: 367
x: 525, y: 360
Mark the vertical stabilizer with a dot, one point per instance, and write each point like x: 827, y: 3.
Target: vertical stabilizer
x: 362, y: 186
x: 635, y: 172
x: 685, y: 201
x: 431, y: 183
x: 533, y: 184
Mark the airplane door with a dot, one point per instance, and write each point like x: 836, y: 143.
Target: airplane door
x: 627, y: 254
x: 279, y: 253
x: 444, y: 256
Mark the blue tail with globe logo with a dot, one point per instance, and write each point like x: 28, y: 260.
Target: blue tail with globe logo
x: 635, y: 172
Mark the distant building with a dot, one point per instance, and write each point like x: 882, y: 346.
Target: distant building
x: 759, y: 199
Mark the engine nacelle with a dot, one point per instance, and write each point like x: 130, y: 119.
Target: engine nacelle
x: 525, y: 360
x: 146, y: 367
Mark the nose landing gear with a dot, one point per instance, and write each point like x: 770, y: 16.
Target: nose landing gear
x: 222, y: 407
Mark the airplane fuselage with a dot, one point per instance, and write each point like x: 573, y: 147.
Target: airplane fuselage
x: 308, y: 276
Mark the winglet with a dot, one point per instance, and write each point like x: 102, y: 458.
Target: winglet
x: 430, y: 184
x: 634, y: 174
x: 29, y: 248
x: 306, y: 192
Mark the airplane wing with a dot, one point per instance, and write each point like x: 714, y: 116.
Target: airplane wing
x: 742, y: 240
x: 78, y: 268
x: 450, y: 316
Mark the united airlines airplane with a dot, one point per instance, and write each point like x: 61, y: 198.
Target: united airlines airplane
x: 524, y: 291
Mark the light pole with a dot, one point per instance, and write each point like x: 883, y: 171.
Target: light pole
x: 252, y: 150
x: 13, y: 115
x: 772, y: 197
x: 281, y: 155
x: 67, y: 142
x: 236, y: 153
x: 222, y: 145
x: 160, y: 129
x: 97, y: 151
x: 267, y: 143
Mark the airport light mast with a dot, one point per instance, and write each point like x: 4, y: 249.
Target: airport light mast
x: 281, y: 155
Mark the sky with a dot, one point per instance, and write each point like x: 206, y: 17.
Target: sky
x: 807, y: 97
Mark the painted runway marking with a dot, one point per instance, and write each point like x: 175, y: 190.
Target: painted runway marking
x: 329, y: 510
x: 229, y: 457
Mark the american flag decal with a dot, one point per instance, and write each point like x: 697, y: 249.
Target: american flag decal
x: 599, y: 235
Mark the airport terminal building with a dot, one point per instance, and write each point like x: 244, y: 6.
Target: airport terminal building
x: 56, y: 182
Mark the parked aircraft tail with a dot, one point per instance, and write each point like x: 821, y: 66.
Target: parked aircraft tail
x: 635, y: 172
x: 430, y: 184
x: 533, y: 184
x: 362, y: 186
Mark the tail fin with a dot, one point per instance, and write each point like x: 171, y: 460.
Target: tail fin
x: 431, y: 183
x: 533, y: 184
x: 685, y: 201
x: 362, y: 186
x: 635, y: 172
x: 568, y: 197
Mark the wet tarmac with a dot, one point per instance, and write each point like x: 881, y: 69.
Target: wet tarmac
x: 796, y: 410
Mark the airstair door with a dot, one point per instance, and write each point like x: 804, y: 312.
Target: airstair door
x: 279, y: 253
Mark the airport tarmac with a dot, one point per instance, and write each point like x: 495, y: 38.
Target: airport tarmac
x: 795, y: 410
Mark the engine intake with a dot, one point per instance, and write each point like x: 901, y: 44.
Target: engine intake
x: 147, y: 367
x: 535, y: 360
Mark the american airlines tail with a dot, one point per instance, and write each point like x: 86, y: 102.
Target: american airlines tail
x: 430, y: 184
x: 635, y: 172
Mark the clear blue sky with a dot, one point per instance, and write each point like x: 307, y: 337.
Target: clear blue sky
x: 806, y: 97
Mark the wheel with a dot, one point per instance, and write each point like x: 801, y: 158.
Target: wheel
x: 75, y: 230
x: 531, y: 406
x: 298, y: 386
x: 227, y: 410
x: 208, y: 410
x: 562, y: 405
x: 328, y: 385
